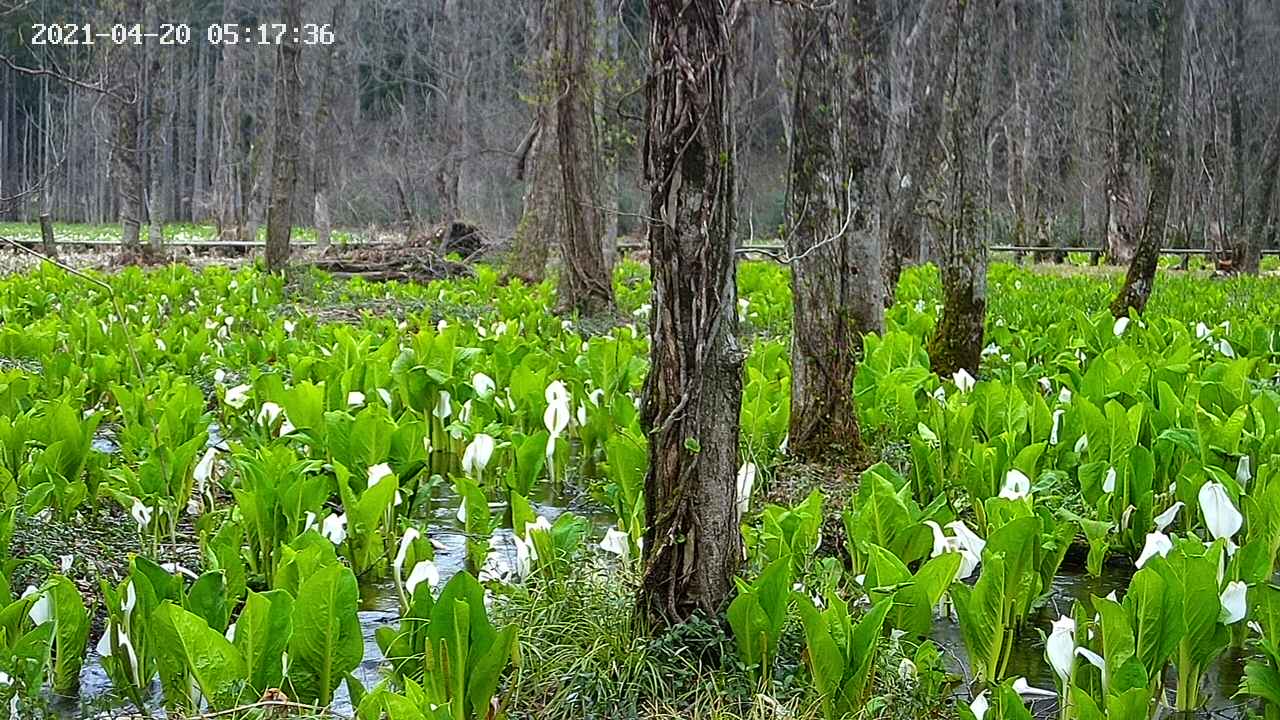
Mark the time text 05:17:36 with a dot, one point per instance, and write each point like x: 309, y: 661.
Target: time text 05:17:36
x: 180, y: 34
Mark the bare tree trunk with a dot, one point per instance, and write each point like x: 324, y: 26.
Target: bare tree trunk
x: 1141, y: 277
x: 905, y: 176
x: 157, y: 124
x: 322, y: 154
x: 127, y: 102
x: 957, y: 340
x: 284, y: 152
x: 586, y: 283
x: 453, y: 120
x: 1126, y: 220
x: 1269, y: 178
x: 837, y: 283
x: 537, y: 164
x: 229, y: 163
x: 48, y: 245
x: 693, y: 545
x: 1092, y: 127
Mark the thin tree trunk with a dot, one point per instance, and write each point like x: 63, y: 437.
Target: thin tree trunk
x: 586, y: 282
x: 693, y: 545
x: 1142, y: 270
x: 284, y: 152
x: 957, y: 340
x: 837, y: 283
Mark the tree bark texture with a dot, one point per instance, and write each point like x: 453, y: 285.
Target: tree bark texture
x: 957, y: 340
x: 324, y: 132
x: 125, y: 64
x: 835, y: 257
x: 586, y: 282
x: 1141, y: 276
x: 692, y: 397
x: 913, y: 134
x: 537, y: 162
x: 284, y: 152
x: 1092, y: 137
x: 157, y: 125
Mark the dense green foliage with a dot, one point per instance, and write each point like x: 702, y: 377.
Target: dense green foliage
x: 316, y: 439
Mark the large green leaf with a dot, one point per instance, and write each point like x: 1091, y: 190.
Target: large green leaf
x: 212, y: 660
x: 262, y: 633
x: 326, y: 642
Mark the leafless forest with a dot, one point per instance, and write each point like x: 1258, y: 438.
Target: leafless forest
x: 425, y: 112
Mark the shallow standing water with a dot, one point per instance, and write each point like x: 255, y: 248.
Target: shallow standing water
x: 1027, y: 660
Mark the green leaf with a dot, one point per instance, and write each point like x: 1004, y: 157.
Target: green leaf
x: 212, y: 660
x: 262, y: 633
x: 326, y: 642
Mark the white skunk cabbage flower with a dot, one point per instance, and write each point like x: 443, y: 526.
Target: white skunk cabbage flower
x: 1220, y: 515
x: 1025, y: 689
x: 746, y: 482
x: 41, y: 610
x: 174, y: 568
x: 269, y: 412
x: 1016, y: 485
x: 964, y: 542
x: 355, y: 398
x: 1057, y: 425
x: 1166, y: 518
x: 476, y: 457
x: 980, y: 705
x: 444, y: 406
x: 237, y: 396
x: 1060, y: 647
x: 425, y: 570
x: 378, y: 472
x: 1244, y: 471
x: 204, y: 468
x: 334, y: 528
x: 406, y: 541
x: 1157, y: 544
x: 1109, y: 482
x: 483, y: 384
x: 1233, y: 599
x: 963, y: 380
x: 1082, y: 444
x: 617, y: 543
x: 1122, y: 324
x: 141, y: 513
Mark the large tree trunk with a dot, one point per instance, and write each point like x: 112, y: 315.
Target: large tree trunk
x: 837, y: 284
x: 957, y: 340
x: 284, y: 149
x: 1142, y: 270
x: 586, y: 282
x: 692, y: 397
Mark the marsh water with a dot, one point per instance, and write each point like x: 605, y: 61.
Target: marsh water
x: 380, y: 607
